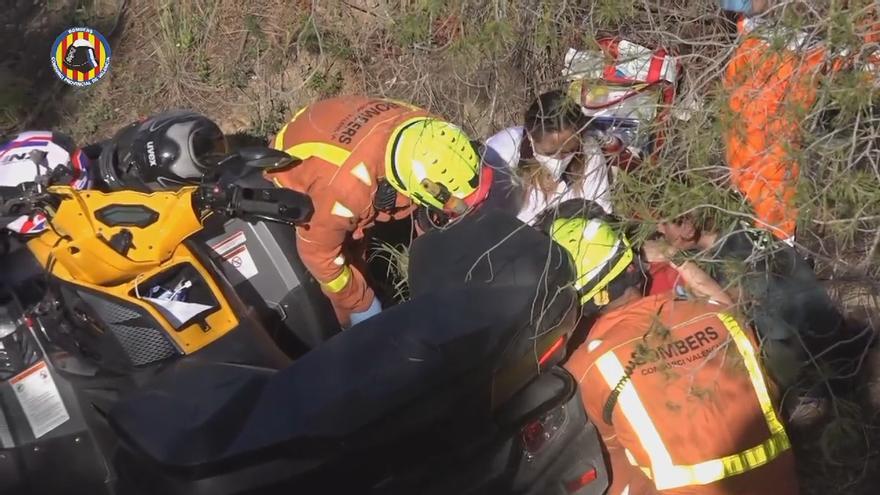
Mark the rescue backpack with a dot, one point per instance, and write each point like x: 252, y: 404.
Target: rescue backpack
x: 628, y: 90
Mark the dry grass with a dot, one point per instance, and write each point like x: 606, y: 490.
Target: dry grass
x: 396, y: 258
x: 250, y: 65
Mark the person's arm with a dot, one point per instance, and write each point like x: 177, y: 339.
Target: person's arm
x: 501, y: 151
x: 321, y: 251
x: 700, y: 283
x: 596, y: 184
x: 694, y: 278
x: 321, y: 246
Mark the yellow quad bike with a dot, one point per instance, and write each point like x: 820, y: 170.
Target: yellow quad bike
x: 457, y: 390
x: 133, y: 274
x: 133, y: 285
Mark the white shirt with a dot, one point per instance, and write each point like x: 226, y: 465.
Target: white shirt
x: 503, y: 154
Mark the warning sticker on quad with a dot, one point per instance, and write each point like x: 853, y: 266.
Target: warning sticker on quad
x: 234, y: 252
x: 40, y: 399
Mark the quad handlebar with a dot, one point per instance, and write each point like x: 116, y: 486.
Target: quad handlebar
x: 275, y: 205
x: 218, y: 192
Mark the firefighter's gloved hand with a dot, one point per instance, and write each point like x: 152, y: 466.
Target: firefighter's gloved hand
x: 374, y: 309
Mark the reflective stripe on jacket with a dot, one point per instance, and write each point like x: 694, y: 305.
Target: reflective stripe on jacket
x: 678, y: 386
x: 341, y: 142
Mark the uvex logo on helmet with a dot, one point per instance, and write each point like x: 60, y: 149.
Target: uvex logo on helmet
x: 151, y: 153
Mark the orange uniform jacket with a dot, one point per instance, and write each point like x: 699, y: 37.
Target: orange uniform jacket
x: 771, y: 90
x: 689, y: 400
x: 342, y: 143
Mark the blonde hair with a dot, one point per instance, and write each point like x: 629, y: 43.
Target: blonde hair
x: 533, y: 177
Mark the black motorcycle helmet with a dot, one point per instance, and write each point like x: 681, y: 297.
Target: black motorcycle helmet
x: 164, y: 151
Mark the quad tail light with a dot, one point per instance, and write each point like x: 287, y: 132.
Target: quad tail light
x: 587, y: 477
x: 538, y: 433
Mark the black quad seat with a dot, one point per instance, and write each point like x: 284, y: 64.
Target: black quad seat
x: 444, y: 346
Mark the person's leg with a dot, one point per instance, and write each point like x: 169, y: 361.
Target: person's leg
x: 804, y: 394
x: 784, y: 361
x: 801, y: 374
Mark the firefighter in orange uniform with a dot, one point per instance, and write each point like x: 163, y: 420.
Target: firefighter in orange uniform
x: 366, y: 160
x: 673, y: 385
x: 771, y: 89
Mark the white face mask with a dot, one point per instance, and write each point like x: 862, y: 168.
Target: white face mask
x: 556, y: 166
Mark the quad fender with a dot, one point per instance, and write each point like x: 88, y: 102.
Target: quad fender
x: 64, y: 451
x: 260, y: 261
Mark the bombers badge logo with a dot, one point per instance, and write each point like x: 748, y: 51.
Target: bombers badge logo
x: 80, y: 56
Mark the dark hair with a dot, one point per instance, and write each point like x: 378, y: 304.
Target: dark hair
x: 554, y: 111
x: 680, y: 190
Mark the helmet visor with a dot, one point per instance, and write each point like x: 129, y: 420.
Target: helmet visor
x: 208, y: 147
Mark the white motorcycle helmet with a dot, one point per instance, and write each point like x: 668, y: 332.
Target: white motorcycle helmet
x: 33, y: 154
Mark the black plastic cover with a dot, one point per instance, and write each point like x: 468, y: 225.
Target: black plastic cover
x: 401, y: 356
x: 126, y: 216
x: 427, y: 367
x: 490, y: 248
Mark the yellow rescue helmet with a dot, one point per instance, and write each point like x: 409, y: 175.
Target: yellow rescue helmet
x: 434, y: 163
x: 600, y: 255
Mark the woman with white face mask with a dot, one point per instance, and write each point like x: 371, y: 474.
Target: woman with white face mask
x: 554, y: 157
